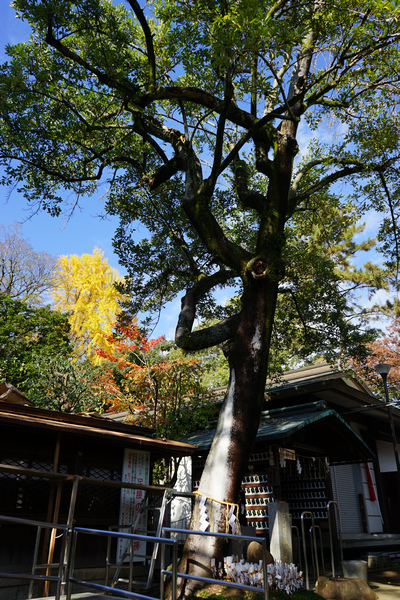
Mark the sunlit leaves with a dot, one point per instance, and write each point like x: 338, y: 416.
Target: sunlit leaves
x: 84, y: 289
x: 153, y: 382
x: 83, y: 104
x: 27, y: 336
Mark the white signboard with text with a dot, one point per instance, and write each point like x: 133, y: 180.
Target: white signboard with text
x: 135, y: 469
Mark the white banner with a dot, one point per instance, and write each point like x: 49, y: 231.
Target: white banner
x: 135, y: 469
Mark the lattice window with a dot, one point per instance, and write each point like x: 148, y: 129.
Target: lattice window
x: 103, y: 473
x: 23, y: 494
x: 97, y: 501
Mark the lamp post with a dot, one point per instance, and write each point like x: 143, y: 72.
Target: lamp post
x: 383, y: 370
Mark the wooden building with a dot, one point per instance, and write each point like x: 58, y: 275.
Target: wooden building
x: 68, y: 468
x: 323, y: 437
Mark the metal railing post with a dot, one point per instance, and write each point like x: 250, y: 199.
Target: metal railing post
x: 227, y: 536
x: 35, y: 558
x: 265, y: 568
x: 338, y: 527
x: 72, y: 553
x: 307, y: 512
x: 32, y: 576
x: 315, y: 528
x: 174, y: 571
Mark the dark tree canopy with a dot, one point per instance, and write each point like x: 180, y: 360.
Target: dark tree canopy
x: 113, y: 94
x: 28, y: 334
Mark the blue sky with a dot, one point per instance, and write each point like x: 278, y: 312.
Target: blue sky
x: 86, y: 229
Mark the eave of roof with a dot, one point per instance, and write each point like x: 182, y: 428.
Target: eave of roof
x: 9, y: 393
x: 315, y: 373
x: 88, y: 426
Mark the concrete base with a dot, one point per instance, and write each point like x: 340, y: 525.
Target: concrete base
x: 355, y: 568
x: 280, y: 531
x: 378, y: 561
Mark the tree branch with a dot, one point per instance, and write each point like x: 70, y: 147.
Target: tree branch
x: 210, y: 336
x: 196, y: 204
x: 126, y: 88
x: 149, y: 44
x: 166, y: 171
x: 328, y: 179
x: 393, y: 218
x: 353, y: 60
x: 199, y: 96
x: 249, y: 198
x: 219, y: 142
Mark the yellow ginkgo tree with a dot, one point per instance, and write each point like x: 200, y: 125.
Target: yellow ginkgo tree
x: 83, y: 287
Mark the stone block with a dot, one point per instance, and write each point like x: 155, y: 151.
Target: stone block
x: 254, y: 553
x: 355, y: 568
x: 378, y: 561
x: 344, y: 589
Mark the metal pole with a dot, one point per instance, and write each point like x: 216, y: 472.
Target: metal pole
x: 383, y: 370
x: 392, y: 429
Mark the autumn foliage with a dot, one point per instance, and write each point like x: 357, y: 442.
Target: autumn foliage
x: 84, y: 287
x: 157, y: 385
x: 383, y: 350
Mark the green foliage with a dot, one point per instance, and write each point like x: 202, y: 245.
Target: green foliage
x: 28, y: 336
x: 214, y: 368
x: 117, y: 96
x: 62, y: 384
x: 274, y: 594
x: 36, y: 357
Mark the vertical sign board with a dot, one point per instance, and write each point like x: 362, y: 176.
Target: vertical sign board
x: 135, y: 469
x: 181, y: 508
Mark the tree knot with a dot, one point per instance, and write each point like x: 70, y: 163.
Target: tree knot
x: 259, y: 269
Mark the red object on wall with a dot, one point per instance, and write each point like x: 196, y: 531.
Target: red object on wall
x: 371, y: 490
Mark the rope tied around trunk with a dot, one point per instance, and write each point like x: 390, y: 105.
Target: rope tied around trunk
x: 205, y: 518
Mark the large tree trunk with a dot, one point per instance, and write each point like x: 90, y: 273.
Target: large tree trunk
x: 237, y: 427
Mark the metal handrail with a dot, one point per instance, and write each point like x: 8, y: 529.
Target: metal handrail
x: 61, y: 564
x: 313, y: 546
x: 333, y: 504
x: 228, y: 536
x: 295, y: 530
x: 131, y: 537
x: 318, y: 528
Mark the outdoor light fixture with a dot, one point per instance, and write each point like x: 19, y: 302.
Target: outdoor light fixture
x: 383, y: 370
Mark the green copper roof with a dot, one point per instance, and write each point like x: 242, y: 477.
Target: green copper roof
x: 313, y: 424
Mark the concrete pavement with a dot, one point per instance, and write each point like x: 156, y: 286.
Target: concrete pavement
x: 386, y: 583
